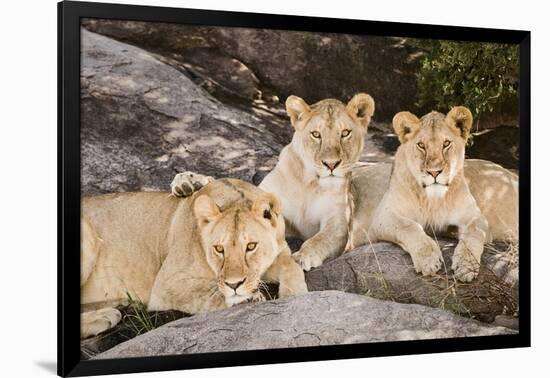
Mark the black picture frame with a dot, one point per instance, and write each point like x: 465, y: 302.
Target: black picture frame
x: 69, y: 15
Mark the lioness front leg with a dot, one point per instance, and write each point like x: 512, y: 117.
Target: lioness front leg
x: 186, y: 183
x: 288, y: 274
x: 467, y: 254
x: 184, y: 293
x: 409, y: 235
x: 330, y: 241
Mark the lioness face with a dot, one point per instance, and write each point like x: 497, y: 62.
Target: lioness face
x: 240, y: 243
x: 329, y: 135
x: 434, y: 146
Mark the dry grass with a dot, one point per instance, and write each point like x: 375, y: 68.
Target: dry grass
x: 138, y: 319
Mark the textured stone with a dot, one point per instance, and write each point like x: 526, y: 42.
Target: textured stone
x: 385, y: 271
x: 276, y: 62
x: 143, y: 120
x: 312, y: 319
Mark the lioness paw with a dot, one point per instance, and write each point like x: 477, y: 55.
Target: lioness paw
x: 465, y: 264
x: 307, y: 260
x: 428, y: 258
x: 185, y: 184
x: 257, y: 297
x: 296, y: 287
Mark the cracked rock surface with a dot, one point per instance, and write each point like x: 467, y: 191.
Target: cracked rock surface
x: 385, y: 271
x: 143, y: 120
x: 282, y: 63
x: 312, y: 319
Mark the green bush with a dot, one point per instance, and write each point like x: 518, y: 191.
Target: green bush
x: 478, y: 75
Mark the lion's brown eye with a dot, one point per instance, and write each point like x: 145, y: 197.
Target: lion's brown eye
x: 345, y: 133
x: 420, y: 145
x: 218, y: 248
x: 447, y: 143
x: 316, y: 134
x: 251, y: 246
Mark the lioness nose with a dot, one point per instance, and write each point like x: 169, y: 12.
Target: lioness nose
x: 435, y: 172
x: 235, y: 284
x: 332, y: 164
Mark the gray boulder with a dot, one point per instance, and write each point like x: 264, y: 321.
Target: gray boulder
x: 276, y: 62
x: 385, y: 271
x: 143, y: 120
x: 319, y: 318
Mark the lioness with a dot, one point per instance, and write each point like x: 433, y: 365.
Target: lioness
x: 432, y: 187
x: 313, y: 173
x: 203, y: 253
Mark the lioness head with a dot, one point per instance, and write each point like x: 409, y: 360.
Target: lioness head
x: 434, y: 146
x: 240, y: 242
x: 328, y: 134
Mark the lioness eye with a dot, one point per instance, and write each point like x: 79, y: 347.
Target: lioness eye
x: 218, y: 248
x: 251, y: 246
x: 345, y: 133
x: 316, y: 134
x: 420, y: 145
x: 447, y: 143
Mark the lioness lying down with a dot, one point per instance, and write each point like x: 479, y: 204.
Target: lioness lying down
x: 209, y: 251
x: 431, y: 187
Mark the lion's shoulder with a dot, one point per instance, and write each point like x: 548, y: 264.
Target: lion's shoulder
x: 227, y: 191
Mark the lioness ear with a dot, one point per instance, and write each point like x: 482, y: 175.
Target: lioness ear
x: 460, y: 117
x: 205, y: 209
x: 362, y: 107
x: 268, y: 206
x: 296, y: 107
x: 405, y: 125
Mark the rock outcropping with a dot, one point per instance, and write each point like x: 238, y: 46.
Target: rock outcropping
x: 143, y: 121
x: 281, y: 62
x: 319, y: 318
x: 385, y: 271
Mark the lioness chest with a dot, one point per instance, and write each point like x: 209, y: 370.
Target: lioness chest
x: 307, y: 212
x: 438, y: 215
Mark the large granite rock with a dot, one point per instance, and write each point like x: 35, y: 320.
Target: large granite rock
x: 275, y: 62
x: 385, y: 271
x: 318, y: 318
x: 143, y: 120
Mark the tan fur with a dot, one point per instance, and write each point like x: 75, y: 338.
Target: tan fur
x: 161, y: 249
x: 312, y: 176
x: 478, y: 197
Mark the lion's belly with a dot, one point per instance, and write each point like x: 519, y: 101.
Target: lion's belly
x: 118, y: 274
x: 127, y: 262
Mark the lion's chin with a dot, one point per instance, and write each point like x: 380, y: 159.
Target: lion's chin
x: 436, y: 191
x: 331, y: 181
x: 236, y: 299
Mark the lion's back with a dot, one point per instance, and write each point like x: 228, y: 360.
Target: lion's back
x: 495, y: 190
x: 130, y: 228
